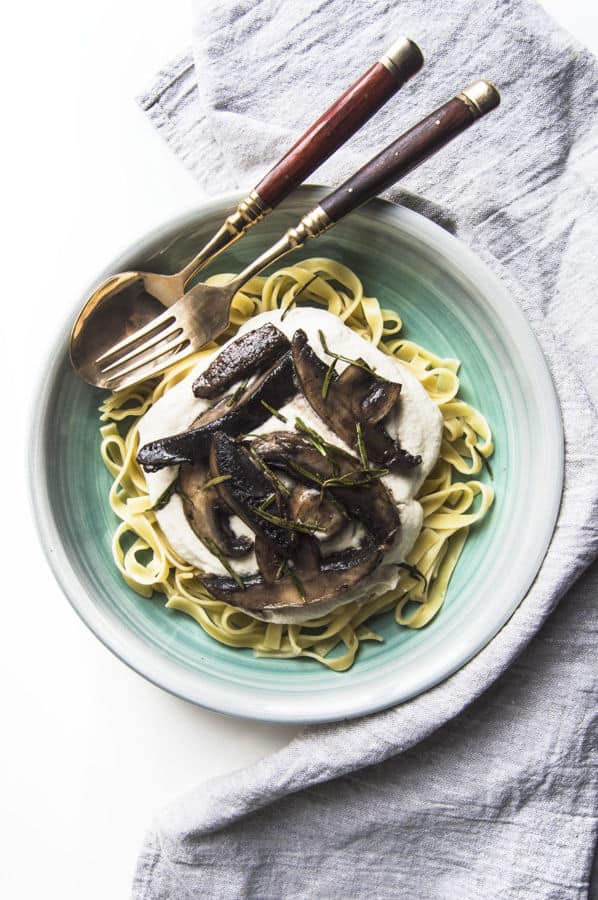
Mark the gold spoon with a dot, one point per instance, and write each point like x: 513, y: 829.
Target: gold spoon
x: 127, y: 301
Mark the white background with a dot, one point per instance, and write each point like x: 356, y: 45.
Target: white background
x: 89, y: 751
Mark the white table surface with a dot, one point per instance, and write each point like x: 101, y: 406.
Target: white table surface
x: 89, y: 749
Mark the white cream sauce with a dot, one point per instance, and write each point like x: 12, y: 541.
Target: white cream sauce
x: 417, y: 423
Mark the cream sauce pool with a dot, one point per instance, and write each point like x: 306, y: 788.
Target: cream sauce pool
x: 416, y: 421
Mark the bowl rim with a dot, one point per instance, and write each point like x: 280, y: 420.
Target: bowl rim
x: 167, y: 674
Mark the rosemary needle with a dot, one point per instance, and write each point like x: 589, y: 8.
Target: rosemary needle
x: 361, y: 446
x: 214, y: 481
x: 360, y: 363
x: 273, y: 412
x: 164, y: 497
x: 220, y: 556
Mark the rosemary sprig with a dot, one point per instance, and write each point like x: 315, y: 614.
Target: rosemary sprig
x: 164, y: 497
x: 303, y: 287
x: 214, y: 481
x: 286, y: 523
x: 363, y: 454
x: 328, y: 377
x: 270, y: 473
x: 236, y: 394
x: 273, y: 412
x: 486, y: 464
x: 356, y: 478
x: 360, y: 363
x: 267, y: 502
x: 414, y: 572
x: 312, y: 436
x: 305, y: 473
x: 296, y: 581
x: 247, y: 434
x: 285, y: 568
x: 303, y: 527
x: 220, y: 556
x: 321, y: 445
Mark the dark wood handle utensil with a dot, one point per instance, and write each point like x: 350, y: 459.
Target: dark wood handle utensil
x: 204, y: 311
x: 411, y: 149
x: 133, y: 298
x: 341, y: 121
x: 395, y: 161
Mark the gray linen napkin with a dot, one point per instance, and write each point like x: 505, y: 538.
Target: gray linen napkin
x: 452, y: 794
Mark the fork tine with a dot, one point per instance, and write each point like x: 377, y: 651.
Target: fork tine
x: 174, y: 330
x: 119, y: 383
x: 178, y: 343
x: 158, y: 324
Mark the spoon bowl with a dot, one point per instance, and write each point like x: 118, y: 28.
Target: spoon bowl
x: 120, y: 306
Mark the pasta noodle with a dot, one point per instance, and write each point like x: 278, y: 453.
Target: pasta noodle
x: 451, y: 507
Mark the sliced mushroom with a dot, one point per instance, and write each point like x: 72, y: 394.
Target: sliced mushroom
x: 309, y: 506
x: 369, y: 503
x: 273, y: 388
x: 269, y: 561
x: 251, y: 353
x: 273, y: 566
x: 336, y: 407
x: 305, y: 506
x: 307, y: 583
x: 372, y: 398
x: 292, y: 452
x: 251, y: 494
x: 206, y: 514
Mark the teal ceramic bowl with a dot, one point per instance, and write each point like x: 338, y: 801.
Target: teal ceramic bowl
x: 449, y: 302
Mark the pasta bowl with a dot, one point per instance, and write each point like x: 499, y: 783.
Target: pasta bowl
x: 449, y: 302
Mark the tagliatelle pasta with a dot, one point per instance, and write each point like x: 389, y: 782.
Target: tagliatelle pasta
x: 451, y: 507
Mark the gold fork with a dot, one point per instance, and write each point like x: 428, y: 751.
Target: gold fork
x: 128, y: 300
x: 203, y: 312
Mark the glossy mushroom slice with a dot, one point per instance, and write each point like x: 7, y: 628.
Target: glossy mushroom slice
x: 372, y: 398
x: 206, y: 513
x: 272, y: 389
x: 273, y: 565
x: 309, y: 506
x: 310, y: 582
x: 252, y: 494
x: 362, y: 496
x: 251, y: 353
x: 334, y: 405
x: 269, y: 561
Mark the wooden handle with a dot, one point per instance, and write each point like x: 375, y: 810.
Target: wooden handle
x: 408, y: 151
x: 341, y: 121
x: 411, y: 149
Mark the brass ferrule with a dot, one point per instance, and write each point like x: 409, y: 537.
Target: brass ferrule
x: 481, y: 97
x: 313, y: 224
x: 250, y: 210
x: 403, y: 59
